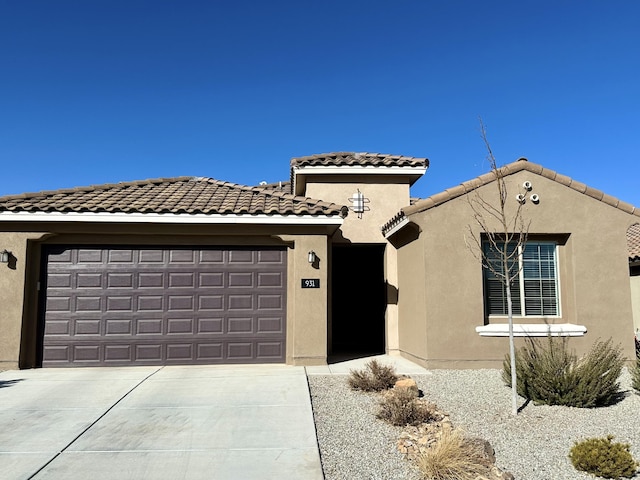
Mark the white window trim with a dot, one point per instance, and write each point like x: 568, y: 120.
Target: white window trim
x: 532, y: 330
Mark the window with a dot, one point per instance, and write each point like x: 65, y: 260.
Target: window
x: 534, y: 291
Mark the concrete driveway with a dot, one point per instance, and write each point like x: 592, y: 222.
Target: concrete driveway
x: 195, y: 422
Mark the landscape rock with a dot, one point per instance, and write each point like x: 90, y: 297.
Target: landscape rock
x: 415, y: 440
x: 408, y: 384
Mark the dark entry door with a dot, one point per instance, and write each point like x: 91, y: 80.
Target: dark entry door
x: 358, y: 299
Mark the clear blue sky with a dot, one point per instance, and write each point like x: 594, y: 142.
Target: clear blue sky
x: 96, y: 91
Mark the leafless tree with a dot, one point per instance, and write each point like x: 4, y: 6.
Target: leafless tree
x: 503, y: 235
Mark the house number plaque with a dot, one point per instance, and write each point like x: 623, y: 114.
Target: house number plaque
x: 310, y: 283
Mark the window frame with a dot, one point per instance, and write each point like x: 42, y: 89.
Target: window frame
x: 521, y: 284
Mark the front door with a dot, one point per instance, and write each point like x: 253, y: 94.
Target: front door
x: 358, y: 299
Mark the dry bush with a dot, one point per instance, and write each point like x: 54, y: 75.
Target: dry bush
x: 453, y: 457
x: 401, y: 407
x: 375, y: 377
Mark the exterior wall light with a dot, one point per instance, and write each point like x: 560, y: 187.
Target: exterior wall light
x: 5, y: 256
x: 312, y: 257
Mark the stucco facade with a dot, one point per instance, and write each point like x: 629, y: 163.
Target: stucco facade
x: 441, y: 280
x: 394, y: 276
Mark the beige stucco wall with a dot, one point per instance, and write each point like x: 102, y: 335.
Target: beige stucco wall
x: 386, y: 195
x: 12, y: 295
x: 594, y: 278
x: 307, y: 309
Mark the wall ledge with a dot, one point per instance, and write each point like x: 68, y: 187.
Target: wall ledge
x: 532, y: 330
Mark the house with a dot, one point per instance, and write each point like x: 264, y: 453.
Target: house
x: 633, y: 243
x: 337, y: 260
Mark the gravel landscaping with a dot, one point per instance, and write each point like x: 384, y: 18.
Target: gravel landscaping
x: 533, y: 446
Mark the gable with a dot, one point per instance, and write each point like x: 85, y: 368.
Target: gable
x: 402, y: 218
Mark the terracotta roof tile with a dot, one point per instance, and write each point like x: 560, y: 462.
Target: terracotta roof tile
x: 509, y: 169
x: 361, y: 159
x: 633, y: 242
x: 189, y: 195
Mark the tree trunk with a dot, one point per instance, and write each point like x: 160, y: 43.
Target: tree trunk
x: 512, y: 353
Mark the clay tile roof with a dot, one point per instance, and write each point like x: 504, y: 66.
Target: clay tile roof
x: 633, y: 242
x: 362, y: 159
x: 187, y: 195
x: 509, y: 169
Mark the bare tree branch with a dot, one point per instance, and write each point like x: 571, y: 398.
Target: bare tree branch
x: 502, y: 238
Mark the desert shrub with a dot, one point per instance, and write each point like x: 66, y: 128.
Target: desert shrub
x: 635, y: 370
x: 635, y: 375
x: 375, y: 377
x: 548, y: 373
x: 452, y: 457
x: 602, y: 457
x: 401, y: 406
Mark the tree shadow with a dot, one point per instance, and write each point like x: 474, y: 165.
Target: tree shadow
x: 9, y: 383
x: 524, y: 405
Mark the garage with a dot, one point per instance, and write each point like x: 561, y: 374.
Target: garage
x: 123, y: 305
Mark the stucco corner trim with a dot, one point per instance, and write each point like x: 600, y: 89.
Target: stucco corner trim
x: 532, y: 330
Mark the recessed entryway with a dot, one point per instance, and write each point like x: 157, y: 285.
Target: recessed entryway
x: 358, y: 300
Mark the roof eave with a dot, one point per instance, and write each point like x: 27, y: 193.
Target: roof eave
x: 300, y: 173
x: 173, y: 218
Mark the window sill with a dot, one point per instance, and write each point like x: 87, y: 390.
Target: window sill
x: 532, y: 330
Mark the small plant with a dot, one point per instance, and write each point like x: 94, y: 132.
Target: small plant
x: 375, y: 377
x: 602, y: 457
x: 635, y: 370
x: 401, y: 407
x: 452, y: 457
x: 548, y: 373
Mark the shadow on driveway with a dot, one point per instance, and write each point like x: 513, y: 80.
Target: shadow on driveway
x: 9, y: 383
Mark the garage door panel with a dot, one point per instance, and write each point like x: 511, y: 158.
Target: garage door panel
x: 91, y: 256
x: 164, y: 306
x: 87, y: 327
x: 149, y: 326
x: 240, y: 256
x: 86, y: 280
x: 121, y: 256
x: 211, y: 302
x: 151, y: 280
x: 182, y: 257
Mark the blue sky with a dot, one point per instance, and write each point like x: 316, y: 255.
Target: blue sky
x: 105, y: 91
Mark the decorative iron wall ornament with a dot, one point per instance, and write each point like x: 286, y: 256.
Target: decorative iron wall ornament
x: 358, y: 201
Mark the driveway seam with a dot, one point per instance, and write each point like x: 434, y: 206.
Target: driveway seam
x: 93, y: 423
x: 313, y: 419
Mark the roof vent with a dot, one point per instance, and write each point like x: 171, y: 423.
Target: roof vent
x: 263, y: 183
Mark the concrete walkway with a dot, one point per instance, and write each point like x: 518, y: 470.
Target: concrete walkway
x: 210, y: 422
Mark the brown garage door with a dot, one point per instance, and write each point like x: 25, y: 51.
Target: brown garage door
x: 159, y: 306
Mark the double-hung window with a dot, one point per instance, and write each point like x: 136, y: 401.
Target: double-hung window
x: 534, y: 290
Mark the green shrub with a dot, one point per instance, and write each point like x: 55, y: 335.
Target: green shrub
x: 401, y: 407
x: 375, y: 377
x: 602, y: 457
x: 548, y: 373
